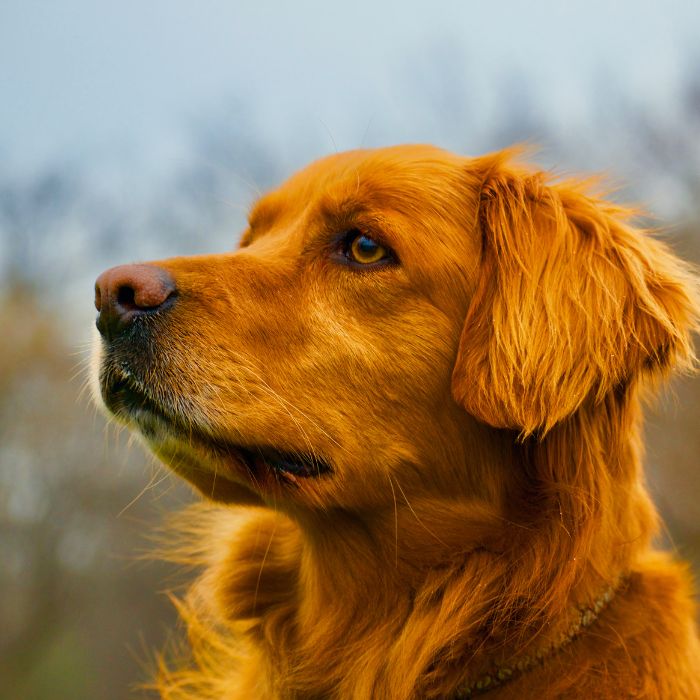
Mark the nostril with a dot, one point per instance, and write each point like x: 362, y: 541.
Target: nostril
x: 126, y: 297
x: 98, y: 297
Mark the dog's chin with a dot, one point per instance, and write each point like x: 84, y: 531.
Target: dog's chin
x: 220, y: 469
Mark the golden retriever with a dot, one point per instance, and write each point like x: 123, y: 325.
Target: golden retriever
x: 414, y: 393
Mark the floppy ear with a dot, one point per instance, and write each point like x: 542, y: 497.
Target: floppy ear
x: 572, y: 302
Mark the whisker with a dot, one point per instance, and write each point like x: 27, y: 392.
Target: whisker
x: 420, y: 522
x: 262, y: 566
x: 152, y: 483
x: 396, y: 521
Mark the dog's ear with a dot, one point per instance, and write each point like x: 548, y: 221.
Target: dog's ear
x: 572, y: 302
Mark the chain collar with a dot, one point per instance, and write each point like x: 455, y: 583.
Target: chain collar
x: 500, y: 675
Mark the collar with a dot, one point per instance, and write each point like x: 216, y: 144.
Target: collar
x: 500, y: 675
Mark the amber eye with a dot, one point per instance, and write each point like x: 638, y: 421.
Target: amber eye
x: 363, y: 250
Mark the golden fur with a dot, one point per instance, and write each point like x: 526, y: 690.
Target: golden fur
x: 479, y: 402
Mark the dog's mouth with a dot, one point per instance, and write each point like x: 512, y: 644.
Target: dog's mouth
x: 126, y: 399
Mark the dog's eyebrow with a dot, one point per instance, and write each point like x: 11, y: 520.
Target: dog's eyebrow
x: 348, y: 213
x: 342, y: 212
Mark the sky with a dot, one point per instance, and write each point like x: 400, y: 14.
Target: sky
x: 89, y: 80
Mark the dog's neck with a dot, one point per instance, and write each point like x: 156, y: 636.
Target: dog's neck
x: 379, y: 612
x: 433, y: 594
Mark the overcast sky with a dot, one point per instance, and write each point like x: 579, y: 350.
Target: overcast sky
x: 89, y: 79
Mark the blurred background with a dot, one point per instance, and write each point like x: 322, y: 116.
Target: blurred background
x: 144, y: 129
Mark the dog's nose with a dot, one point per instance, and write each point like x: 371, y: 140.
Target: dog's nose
x: 122, y: 293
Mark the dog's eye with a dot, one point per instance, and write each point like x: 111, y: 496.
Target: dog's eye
x: 363, y: 250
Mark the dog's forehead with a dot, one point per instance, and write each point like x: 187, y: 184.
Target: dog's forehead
x: 397, y: 177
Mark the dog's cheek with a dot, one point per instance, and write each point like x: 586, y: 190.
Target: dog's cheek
x: 381, y: 386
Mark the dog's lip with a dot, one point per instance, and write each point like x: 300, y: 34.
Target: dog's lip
x: 125, y: 398
x: 289, y: 466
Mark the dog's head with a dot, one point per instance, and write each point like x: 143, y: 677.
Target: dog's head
x: 394, y: 320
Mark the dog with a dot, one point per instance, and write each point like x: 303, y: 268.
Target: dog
x: 412, y: 402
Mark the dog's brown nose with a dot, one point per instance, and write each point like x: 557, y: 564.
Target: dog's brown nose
x: 122, y: 293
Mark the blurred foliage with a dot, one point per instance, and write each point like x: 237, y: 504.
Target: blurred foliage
x: 80, y: 608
